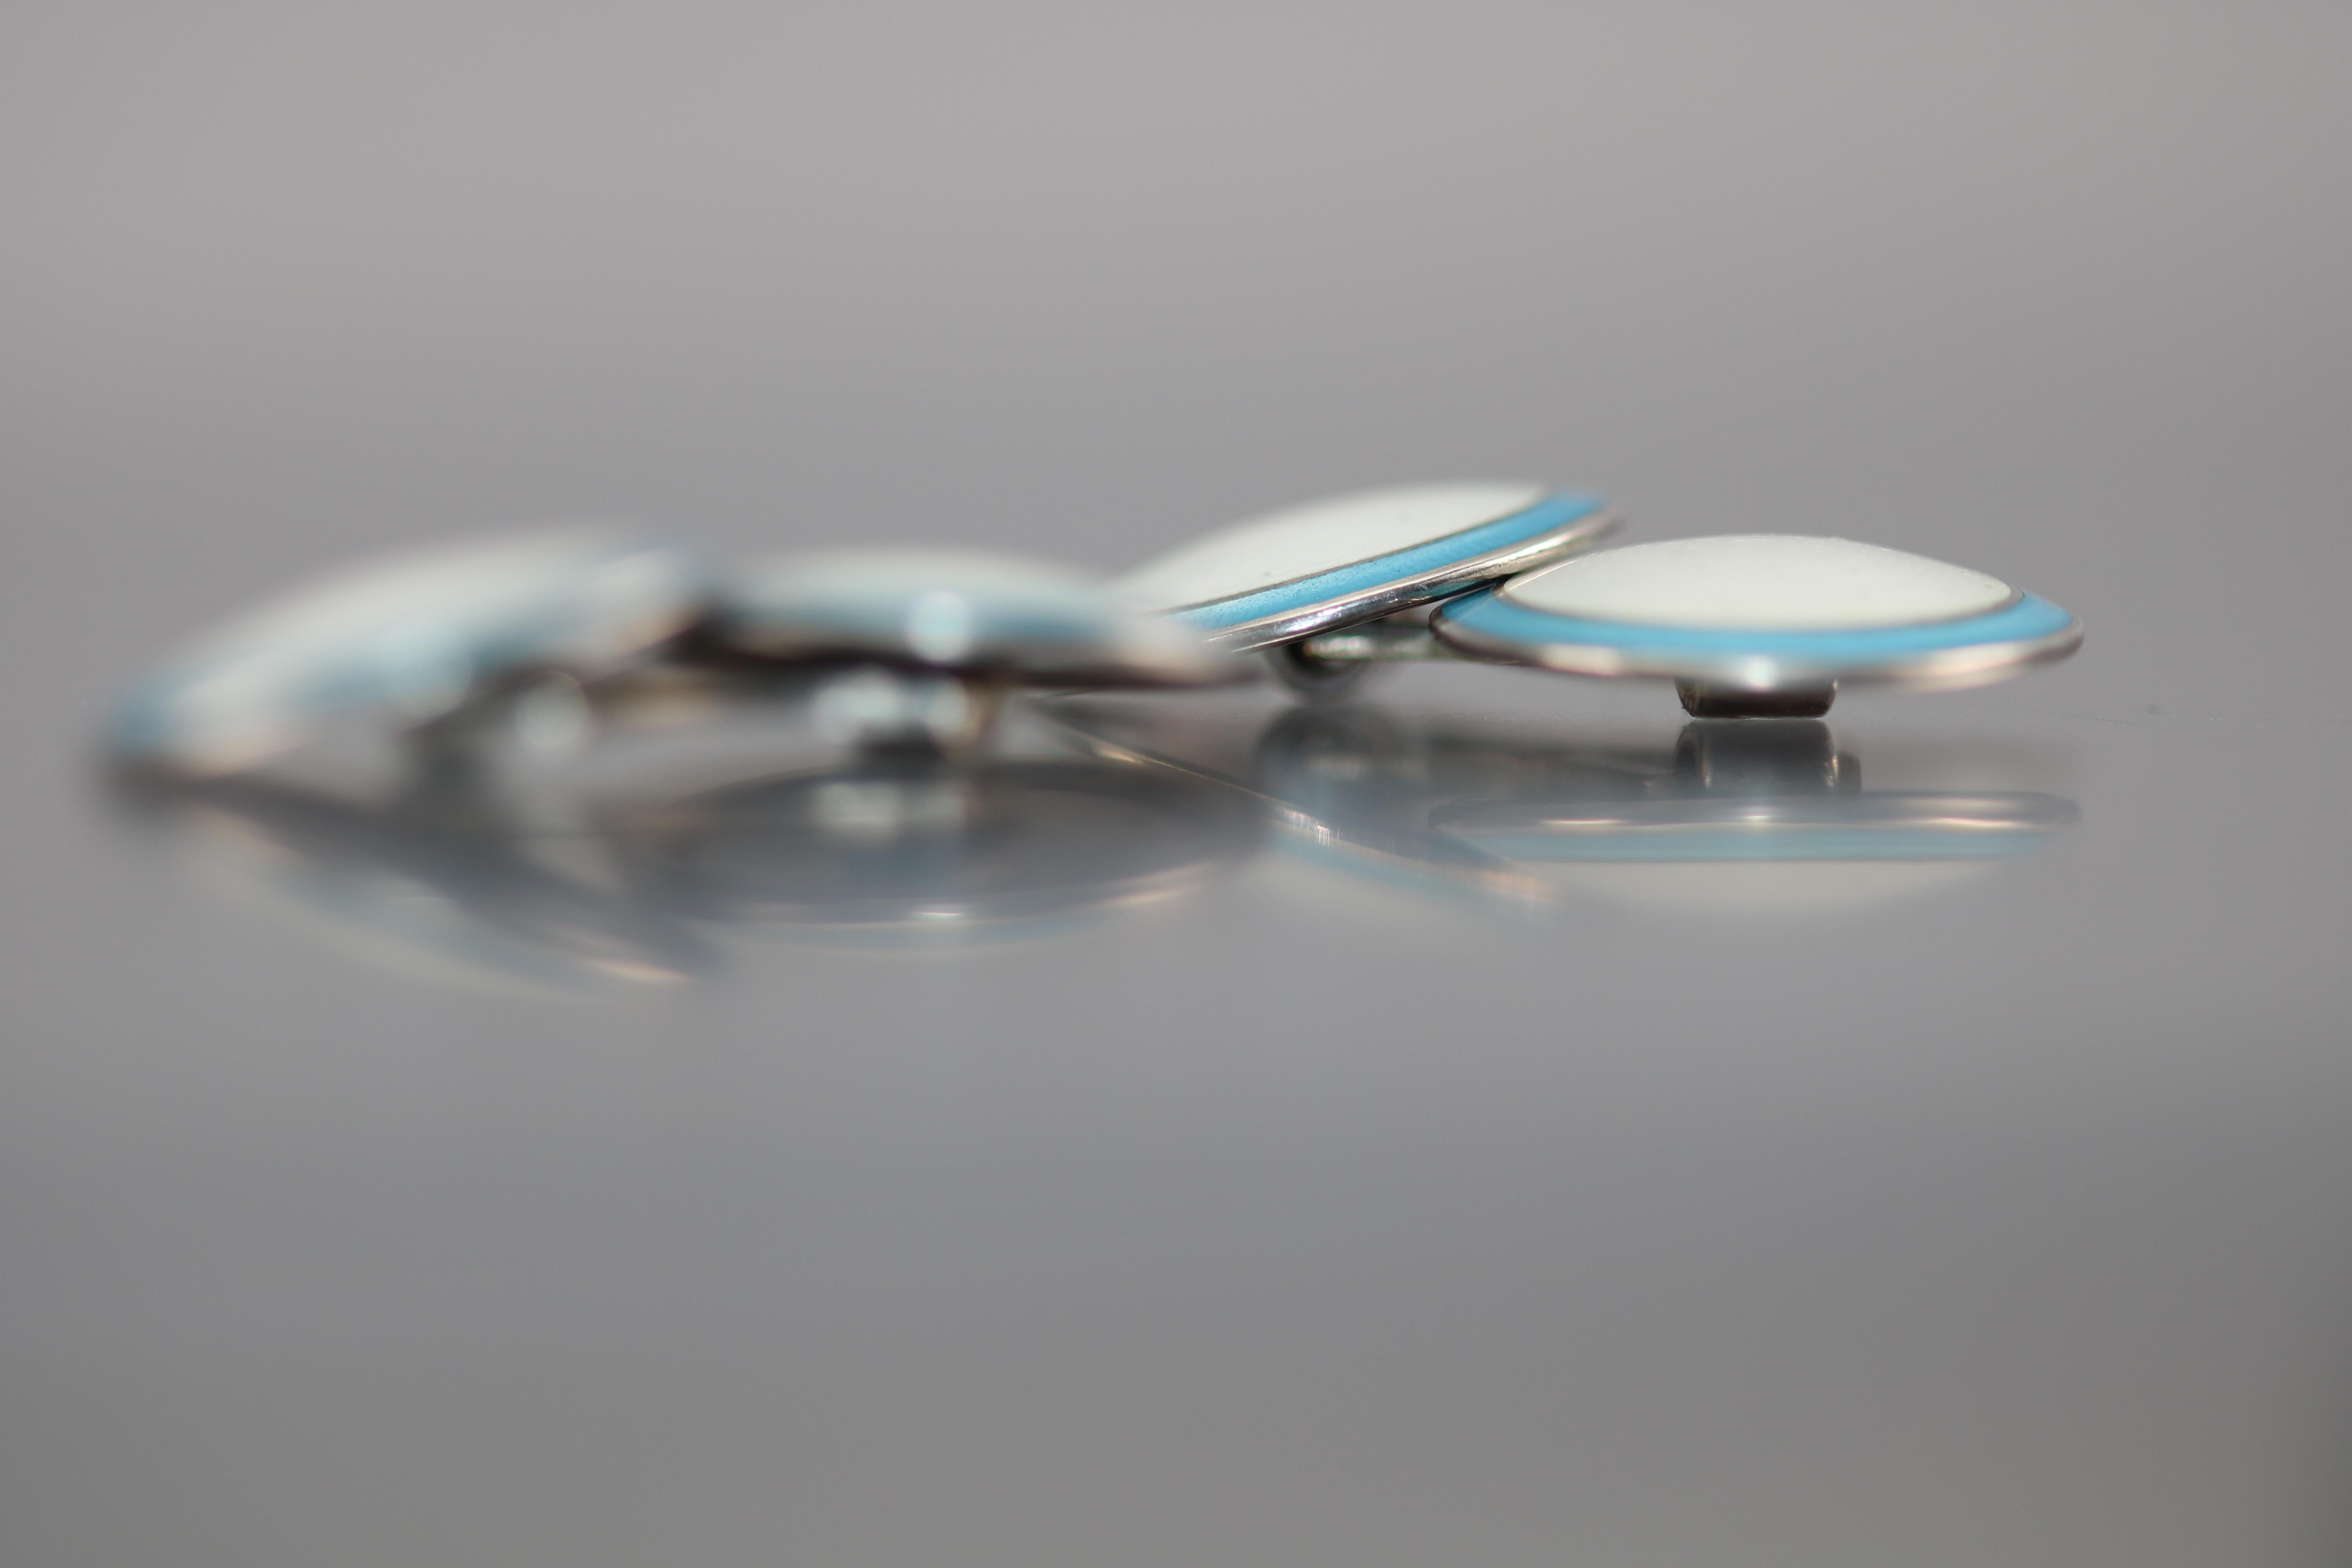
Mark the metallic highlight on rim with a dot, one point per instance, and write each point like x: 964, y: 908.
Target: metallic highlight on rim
x: 1554, y: 528
x: 1894, y: 826
x: 1935, y: 656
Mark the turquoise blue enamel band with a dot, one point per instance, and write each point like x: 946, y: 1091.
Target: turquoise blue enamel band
x: 1419, y: 574
x: 1959, y: 651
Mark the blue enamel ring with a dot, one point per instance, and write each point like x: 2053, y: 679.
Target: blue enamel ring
x: 1289, y: 574
x: 1763, y: 624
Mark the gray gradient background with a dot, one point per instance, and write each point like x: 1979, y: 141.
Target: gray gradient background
x: 1301, y: 1221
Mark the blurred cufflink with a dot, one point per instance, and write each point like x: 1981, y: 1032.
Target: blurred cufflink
x: 1270, y: 582
x: 1761, y: 625
x: 417, y: 640
x: 924, y: 643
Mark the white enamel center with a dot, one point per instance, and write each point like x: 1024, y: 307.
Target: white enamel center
x: 1763, y: 581
x: 1318, y: 536
x: 476, y: 584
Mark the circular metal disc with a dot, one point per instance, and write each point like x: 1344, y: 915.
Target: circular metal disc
x: 413, y: 637
x: 1763, y: 613
x: 1332, y: 562
x: 960, y: 611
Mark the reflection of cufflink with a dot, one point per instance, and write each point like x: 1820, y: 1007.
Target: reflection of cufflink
x: 1763, y: 624
x: 1271, y: 581
x: 1755, y: 818
x: 415, y: 639
x: 434, y: 881
x: 899, y: 851
x: 927, y: 641
x: 1760, y: 792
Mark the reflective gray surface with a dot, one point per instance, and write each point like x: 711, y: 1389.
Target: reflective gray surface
x: 1321, y: 1209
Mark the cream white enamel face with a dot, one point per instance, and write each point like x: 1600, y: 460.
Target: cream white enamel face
x: 1759, y: 581
x: 1318, y: 536
x: 1763, y: 625
x: 411, y: 636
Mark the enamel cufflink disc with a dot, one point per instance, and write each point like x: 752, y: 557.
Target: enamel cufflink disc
x: 414, y: 638
x: 1763, y: 624
x: 1289, y: 575
x: 960, y: 612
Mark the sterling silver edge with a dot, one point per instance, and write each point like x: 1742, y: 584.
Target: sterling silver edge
x: 1948, y: 670
x: 1458, y: 576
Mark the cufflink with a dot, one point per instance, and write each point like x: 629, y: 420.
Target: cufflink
x: 414, y: 640
x: 1269, y: 583
x: 1762, y: 626
x: 924, y: 644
